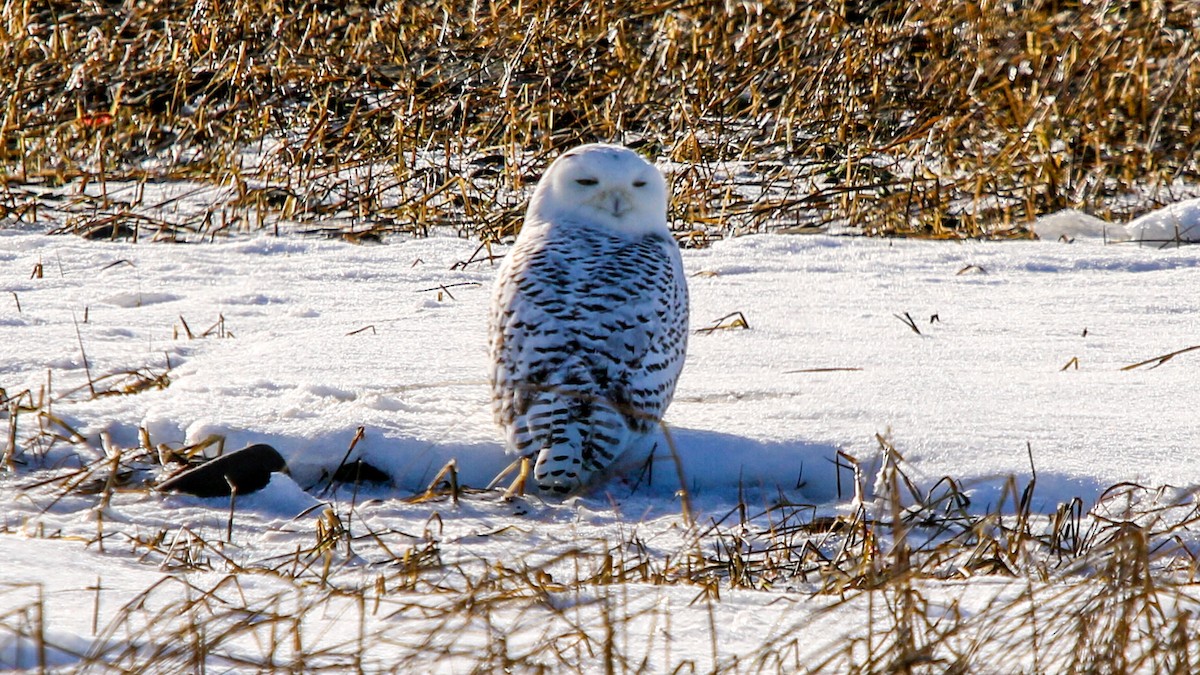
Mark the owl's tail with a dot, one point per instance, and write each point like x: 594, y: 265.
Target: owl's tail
x: 573, y: 438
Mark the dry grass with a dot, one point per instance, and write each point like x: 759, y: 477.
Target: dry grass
x: 924, y: 118
x: 1109, y: 588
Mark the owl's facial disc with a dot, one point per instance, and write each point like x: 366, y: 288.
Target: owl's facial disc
x: 603, y: 185
x: 614, y: 186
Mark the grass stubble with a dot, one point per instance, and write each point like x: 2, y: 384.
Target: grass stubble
x: 182, y: 121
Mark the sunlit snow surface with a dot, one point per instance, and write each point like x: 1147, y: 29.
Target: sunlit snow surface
x: 1015, y: 351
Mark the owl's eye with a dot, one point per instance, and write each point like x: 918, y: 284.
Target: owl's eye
x: 586, y: 181
x: 639, y: 183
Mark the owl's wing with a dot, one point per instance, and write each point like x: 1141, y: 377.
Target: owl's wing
x: 643, y: 326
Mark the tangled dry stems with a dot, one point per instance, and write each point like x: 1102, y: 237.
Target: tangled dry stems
x: 922, y: 118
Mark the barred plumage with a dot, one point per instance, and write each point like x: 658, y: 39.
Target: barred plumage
x: 589, y: 317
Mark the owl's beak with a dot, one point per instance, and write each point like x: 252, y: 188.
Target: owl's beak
x: 616, y: 202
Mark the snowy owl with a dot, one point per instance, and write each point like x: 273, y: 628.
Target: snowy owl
x: 589, y: 318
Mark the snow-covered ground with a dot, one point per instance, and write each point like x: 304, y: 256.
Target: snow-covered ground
x: 972, y: 359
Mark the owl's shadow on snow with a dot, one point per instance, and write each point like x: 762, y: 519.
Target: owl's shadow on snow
x: 727, y: 466
x: 717, y: 467
x: 720, y: 468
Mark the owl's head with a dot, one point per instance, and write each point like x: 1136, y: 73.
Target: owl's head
x: 607, y: 185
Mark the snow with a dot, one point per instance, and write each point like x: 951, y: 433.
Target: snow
x: 1015, y: 354
x: 1174, y: 224
x: 1069, y: 224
